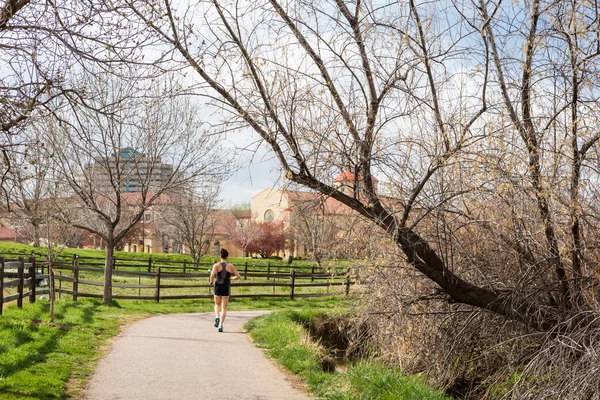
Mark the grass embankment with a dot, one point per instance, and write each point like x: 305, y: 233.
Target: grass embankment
x: 40, y: 360
x: 290, y: 344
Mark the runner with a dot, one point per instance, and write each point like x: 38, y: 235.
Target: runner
x: 223, y: 272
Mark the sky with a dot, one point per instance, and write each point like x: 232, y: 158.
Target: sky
x: 256, y: 171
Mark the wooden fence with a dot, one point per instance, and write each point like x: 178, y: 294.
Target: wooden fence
x: 83, y: 277
x: 26, y: 277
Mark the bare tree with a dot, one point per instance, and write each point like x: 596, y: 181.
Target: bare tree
x: 191, y: 218
x: 316, y: 227
x: 122, y: 160
x: 341, y: 108
x: 41, y: 43
x: 28, y: 186
x: 245, y: 230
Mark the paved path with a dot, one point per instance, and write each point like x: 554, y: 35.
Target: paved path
x: 182, y: 356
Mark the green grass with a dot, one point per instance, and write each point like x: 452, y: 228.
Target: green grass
x: 40, y: 360
x: 158, y: 258
x: 287, y: 342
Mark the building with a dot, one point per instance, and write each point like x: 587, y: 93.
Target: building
x: 276, y: 204
x: 135, y: 171
x: 308, y: 207
x: 270, y: 205
x: 152, y: 235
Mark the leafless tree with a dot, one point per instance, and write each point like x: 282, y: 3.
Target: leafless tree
x: 190, y: 217
x: 315, y: 227
x: 27, y: 184
x: 345, y: 106
x: 121, y: 161
x: 41, y: 44
x: 244, y: 230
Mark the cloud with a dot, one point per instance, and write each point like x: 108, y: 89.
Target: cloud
x: 258, y: 170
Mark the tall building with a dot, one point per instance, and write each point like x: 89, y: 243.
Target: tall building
x: 134, y: 171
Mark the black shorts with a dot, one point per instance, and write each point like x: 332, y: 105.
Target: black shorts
x: 222, y: 290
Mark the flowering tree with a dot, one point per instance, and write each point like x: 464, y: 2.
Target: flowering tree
x: 270, y: 240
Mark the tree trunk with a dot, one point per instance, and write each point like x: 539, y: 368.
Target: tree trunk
x: 36, y: 234
x: 108, y: 268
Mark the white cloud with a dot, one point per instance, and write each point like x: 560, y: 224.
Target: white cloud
x: 258, y: 169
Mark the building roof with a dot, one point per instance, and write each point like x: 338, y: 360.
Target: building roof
x: 348, y: 176
x: 7, y: 234
x: 136, y: 198
x: 330, y: 205
x: 129, y: 152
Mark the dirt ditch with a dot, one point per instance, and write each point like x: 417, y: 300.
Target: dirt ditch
x: 344, y: 341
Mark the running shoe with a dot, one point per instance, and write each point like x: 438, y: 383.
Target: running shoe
x: 216, y: 324
x: 221, y: 329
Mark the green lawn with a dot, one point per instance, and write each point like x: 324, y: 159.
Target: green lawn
x: 128, y: 261
x: 142, y: 258
x: 290, y: 344
x: 40, y: 360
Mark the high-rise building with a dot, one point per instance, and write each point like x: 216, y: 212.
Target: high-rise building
x: 134, y: 171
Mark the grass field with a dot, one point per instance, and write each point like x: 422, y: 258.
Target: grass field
x: 139, y: 262
x: 42, y: 360
x: 290, y: 344
x: 160, y: 258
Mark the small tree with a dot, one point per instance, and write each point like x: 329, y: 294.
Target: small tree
x: 123, y: 152
x: 244, y: 230
x: 190, y: 218
x: 27, y: 184
x: 315, y: 227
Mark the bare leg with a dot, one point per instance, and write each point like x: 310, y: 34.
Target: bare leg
x: 224, y: 309
x: 217, y: 304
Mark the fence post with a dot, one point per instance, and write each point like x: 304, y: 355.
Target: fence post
x: 347, y: 281
x: 20, y: 273
x: 312, y: 277
x: 184, y: 265
x: 32, y: 281
x: 245, y: 270
x: 75, y: 276
x: 51, y: 284
x: 268, y: 270
x: 150, y: 264
x: 1, y: 284
x: 157, y: 284
x: 292, y: 282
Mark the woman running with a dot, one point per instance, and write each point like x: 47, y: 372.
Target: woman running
x: 223, y: 272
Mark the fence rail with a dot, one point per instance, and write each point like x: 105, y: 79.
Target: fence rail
x: 79, y: 277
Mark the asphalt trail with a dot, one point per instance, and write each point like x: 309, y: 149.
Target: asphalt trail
x: 182, y: 356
